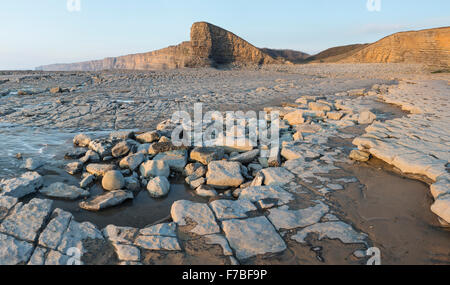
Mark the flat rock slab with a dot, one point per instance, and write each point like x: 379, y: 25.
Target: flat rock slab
x: 277, y: 176
x: 332, y: 230
x: 6, y: 204
x: 99, y: 169
x: 107, y: 200
x: 224, y: 174
x: 63, y: 191
x: 441, y: 207
x: 77, y: 235
x: 19, y: 187
x: 166, y: 229
x: 228, y: 209
x: 26, y: 220
x: 158, y: 243
x: 127, y: 252
x: 123, y: 235
x: 13, y: 251
x: 283, y: 218
x: 252, y: 237
x: 220, y: 240
x: 52, y: 234
x: 276, y: 194
x: 154, y: 168
x: 205, y: 155
x: 182, y: 211
x: 246, y: 157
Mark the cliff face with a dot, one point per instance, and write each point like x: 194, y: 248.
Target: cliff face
x: 431, y: 47
x: 222, y: 46
x: 209, y: 46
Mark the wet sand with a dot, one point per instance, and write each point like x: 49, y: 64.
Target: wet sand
x: 394, y: 211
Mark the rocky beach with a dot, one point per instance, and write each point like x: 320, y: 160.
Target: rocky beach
x: 88, y: 164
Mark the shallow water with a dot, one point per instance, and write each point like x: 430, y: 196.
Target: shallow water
x: 50, y: 147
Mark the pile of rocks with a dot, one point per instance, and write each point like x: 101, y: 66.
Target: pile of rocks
x: 125, y: 162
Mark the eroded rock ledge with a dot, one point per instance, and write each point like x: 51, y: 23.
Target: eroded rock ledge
x: 418, y: 143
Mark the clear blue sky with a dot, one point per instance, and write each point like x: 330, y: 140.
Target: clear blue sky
x: 36, y: 32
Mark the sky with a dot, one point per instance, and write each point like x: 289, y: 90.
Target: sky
x: 43, y: 32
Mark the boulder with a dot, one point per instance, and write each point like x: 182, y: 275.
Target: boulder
x: 154, y: 168
x: 75, y: 153
x: 32, y: 164
x: 101, y: 146
x: 316, y: 106
x: 159, y: 147
x: 335, y: 115
x: 99, y: 169
x: 205, y: 155
x: 74, y: 167
x: 132, y: 184
x: 295, y: 118
x: 194, y: 181
x: 121, y: 149
x: 176, y: 159
x: 196, y: 169
x: 121, y: 135
x: 87, y: 180
x: 132, y: 161
x: 81, y: 140
x: 148, y: 137
x: 55, y: 90
x: 113, y: 180
x: 206, y: 191
x: 366, y: 118
x: 158, y: 187
x: 224, y: 174
x: 90, y: 156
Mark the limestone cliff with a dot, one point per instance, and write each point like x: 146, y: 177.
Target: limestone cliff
x: 221, y: 46
x: 209, y: 46
x: 431, y: 47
